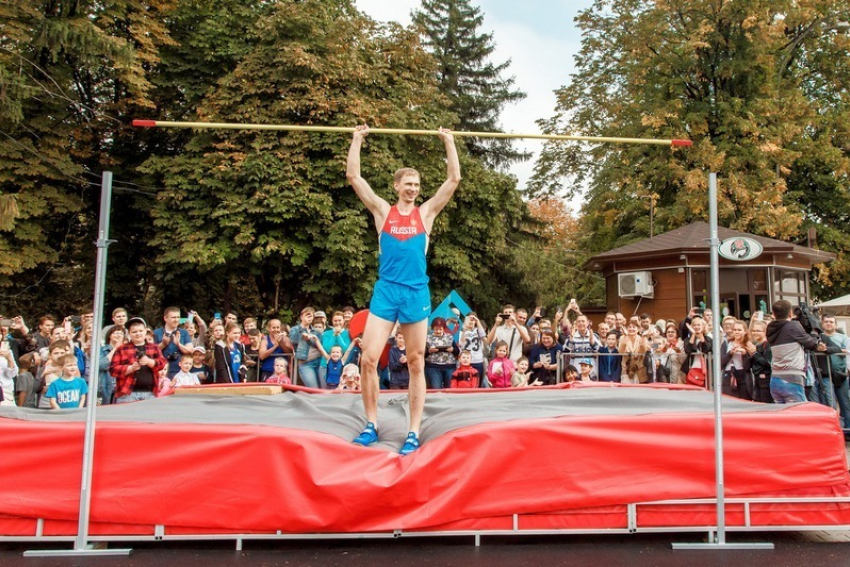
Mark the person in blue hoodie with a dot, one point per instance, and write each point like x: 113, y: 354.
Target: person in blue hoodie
x: 610, y: 361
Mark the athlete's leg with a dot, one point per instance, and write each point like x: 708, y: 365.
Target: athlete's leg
x: 414, y: 341
x: 375, y: 337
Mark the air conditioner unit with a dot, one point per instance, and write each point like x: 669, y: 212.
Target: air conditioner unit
x: 635, y: 284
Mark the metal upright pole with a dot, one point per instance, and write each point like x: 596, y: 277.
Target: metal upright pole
x: 81, y: 543
x: 716, y: 372
x: 715, y: 357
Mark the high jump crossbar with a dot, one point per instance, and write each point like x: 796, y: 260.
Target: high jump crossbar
x: 343, y: 129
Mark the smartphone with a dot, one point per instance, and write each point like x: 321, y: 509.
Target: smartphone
x: 6, y: 322
x: 217, y: 316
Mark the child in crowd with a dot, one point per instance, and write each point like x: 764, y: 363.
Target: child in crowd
x: 472, y: 339
x: 199, y: 365
x: 335, y: 360
x: 399, y: 373
x: 521, y: 376
x: 571, y: 374
x: 466, y: 376
x: 68, y: 391
x: 610, y: 363
x: 53, y: 368
x: 26, y: 387
x: 279, y: 375
x: 501, y: 367
x: 252, y: 351
x: 185, y: 377
x: 350, y: 378
x: 585, y: 370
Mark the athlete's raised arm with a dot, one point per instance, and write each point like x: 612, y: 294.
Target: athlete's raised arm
x: 432, y: 207
x: 376, y: 205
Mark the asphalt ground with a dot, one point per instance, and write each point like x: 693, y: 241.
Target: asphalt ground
x: 792, y: 549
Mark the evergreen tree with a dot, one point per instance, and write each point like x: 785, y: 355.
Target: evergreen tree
x: 473, y: 84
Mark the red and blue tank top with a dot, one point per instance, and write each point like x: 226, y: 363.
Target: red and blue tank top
x: 403, y: 244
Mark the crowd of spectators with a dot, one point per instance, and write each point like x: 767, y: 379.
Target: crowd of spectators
x: 763, y: 360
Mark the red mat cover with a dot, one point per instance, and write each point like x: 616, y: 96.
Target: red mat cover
x: 216, y: 477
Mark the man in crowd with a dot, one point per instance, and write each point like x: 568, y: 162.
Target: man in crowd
x: 172, y: 340
x: 789, y: 343
x: 508, y: 329
x: 119, y: 319
x: 45, y: 330
x: 583, y: 340
x: 837, y: 367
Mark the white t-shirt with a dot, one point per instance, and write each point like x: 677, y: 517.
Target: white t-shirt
x: 473, y: 341
x: 7, y: 381
x: 185, y: 379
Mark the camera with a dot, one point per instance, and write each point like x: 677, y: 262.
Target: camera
x: 76, y: 319
x: 6, y: 322
x: 807, y: 319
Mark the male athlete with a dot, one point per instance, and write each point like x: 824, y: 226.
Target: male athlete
x: 401, y: 292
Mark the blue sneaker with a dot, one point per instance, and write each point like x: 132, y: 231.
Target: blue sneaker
x: 369, y: 436
x: 410, y: 444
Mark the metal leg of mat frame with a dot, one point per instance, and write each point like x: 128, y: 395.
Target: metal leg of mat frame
x: 92, y: 550
x: 725, y: 545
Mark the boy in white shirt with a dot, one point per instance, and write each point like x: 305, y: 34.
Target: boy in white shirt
x: 185, y: 377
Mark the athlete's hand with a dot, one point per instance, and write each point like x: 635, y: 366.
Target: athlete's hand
x: 446, y: 135
x: 361, y: 131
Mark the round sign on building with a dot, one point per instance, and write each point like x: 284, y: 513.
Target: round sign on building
x: 740, y: 248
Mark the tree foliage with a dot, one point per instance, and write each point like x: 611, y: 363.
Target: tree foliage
x: 70, y: 72
x: 275, y: 209
x: 760, y: 86
x: 476, y: 88
x: 550, y: 261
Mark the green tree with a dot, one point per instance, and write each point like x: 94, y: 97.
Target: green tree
x: 69, y: 73
x: 476, y: 88
x: 270, y: 215
x: 759, y: 86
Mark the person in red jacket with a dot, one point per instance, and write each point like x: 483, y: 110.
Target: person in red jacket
x: 466, y: 376
x: 136, y: 365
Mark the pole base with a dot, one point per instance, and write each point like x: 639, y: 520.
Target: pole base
x: 742, y: 545
x: 91, y: 552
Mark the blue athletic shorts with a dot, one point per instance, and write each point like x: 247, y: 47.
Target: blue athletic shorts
x: 396, y: 302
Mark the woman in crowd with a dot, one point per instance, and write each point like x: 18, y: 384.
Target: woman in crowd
x: 761, y: 364
x: 736, y: 358
x: 544, y: 358
x: 115, y: 337
x: 698, y: 345
x: 440, y: 355
x: 307, y: 355
x: 670, y: 354
x: 230, y: 356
